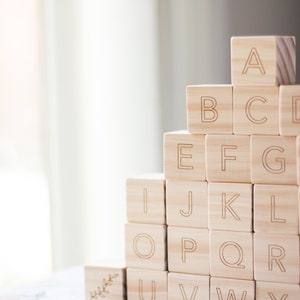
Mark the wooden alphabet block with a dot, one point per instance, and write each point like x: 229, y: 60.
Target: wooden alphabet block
x: 231, y: 254
x: 276, y: 209
x: 228, y: 158
x: 289, y: 109
x: 275, y: 291
x: 263, y: 60
x: 188, y: 250
x: 146, y: 199
x: 230, y: 206
x: 188, y: 286
x: 209, y: 109
x: 105, y: 281
x: 224, y: 288
x: 273, y: 159
x: 146, y: 246
x: 256, y: 110
x: 184, y: 156
x: 147, y: 284
x: 276, y: 257
x: 187, y: 203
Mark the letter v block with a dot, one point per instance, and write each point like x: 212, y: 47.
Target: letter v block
x: 263, y: 60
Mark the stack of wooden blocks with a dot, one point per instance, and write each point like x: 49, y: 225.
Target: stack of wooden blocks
x: 222, y: 222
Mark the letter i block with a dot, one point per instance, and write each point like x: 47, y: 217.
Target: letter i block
x: 263, y: 60
x: 224, y: 288
x: 193, y: 287
x: 105, y: 282
x: 146, y: 199
x: 273, y: 159
x: 276, y: 257
x: 184, y: 156
x: 274, y: 291
x: 209, y: 109
x: 147, y: 284
x: 146, y: 246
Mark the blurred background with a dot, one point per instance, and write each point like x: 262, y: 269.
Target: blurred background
x: 87, y: 89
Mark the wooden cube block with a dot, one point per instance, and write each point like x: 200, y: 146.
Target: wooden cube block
x: 230, y: 206
x: 231, y: 254
x: 184, y: 155
x: 298, y: 159
x: 224, y: 288
x: 146, y: 199
x: 188, y: 250
x: 104, y: 281
x: 273, y: 159
x: 188, y: 286
x: 276, y: 209
x: 147, y: 284
x: 228, y: 158
x: 275, y: 291
x: 276, y: 257
x: 289, y: 109
x: 187, y: 203
x: 209, y: 109
x: 256, y: 110
x: 146, y: 246
x: 263, y: 60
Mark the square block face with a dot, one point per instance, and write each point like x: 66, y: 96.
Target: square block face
x: 187, y: 203
x: 224, y: 288
x: 188, y: 250
x: 263, y: 60
x: 273, y: 159
x: 184, y: 156
x: 231, y: 254
x: 230, y: 206
x: 145, y: 198
x: 209, y: 109
x: 289, y: 109
x: 228, y: 158
x: 256, y: 110
x: 105, y: 282
x: 276, y: 257
x: 282, y: 291
x: 276, y: 209
x: 187, y: 286
x: 147, y: 284
x: 146, y: 246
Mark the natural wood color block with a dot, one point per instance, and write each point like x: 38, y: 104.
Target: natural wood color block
x: 228, y: 158
x: 256, y: 110
x: 145, y: 198
x: 209, y: 109
x: 188, y: 250
x: 263, y: 60
x: 298, y: 159
x: 273, y: 159
x: 188, y: 286
x: 105, y: 281
x: 231, y: 254
x: 184, y: 155
x: 230, y: 206
x: 275, y: 291
x: 231, y: 289
x: 276, y: 209
x: 289, y: 109
x: 147, y: 284
x: 276, y: 257
x: 186, y: 203
x: 146, y: 246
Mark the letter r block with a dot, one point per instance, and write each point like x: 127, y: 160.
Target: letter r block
x: 263, y: 60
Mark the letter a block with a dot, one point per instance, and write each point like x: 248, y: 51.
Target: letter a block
x: 275, y: 291
x: 263, y: 61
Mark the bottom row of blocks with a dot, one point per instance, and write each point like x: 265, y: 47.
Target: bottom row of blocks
x: 140, y: 284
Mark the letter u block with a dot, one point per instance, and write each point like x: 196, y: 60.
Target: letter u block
x: 263, y: 60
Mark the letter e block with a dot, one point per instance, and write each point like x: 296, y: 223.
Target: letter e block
x: 275, y: 291
x: 263, y: 60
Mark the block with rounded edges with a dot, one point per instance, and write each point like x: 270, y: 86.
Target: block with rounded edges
x: 273, y: 290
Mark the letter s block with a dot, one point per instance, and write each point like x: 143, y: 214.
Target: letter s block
x: 263, y: 60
